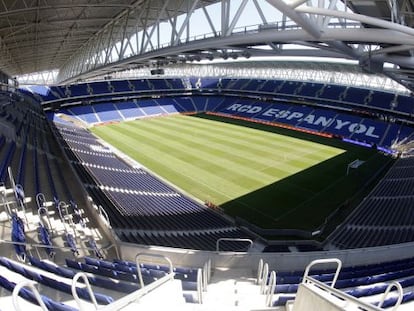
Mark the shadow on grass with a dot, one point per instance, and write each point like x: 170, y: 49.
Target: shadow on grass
x: 304, y: 200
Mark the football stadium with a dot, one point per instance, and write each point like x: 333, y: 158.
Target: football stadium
x: 207, y: 155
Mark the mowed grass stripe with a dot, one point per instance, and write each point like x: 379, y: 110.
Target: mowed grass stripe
x: 246, y: 134
x: 223, y: 152
x: 156, y: 156
x: 166, y: 146
x: 198, y: 187
x: 251, y: 140
x: 251, y: 165
x: 269, y: 156
x: 207, y: 158
x: 258, y: 140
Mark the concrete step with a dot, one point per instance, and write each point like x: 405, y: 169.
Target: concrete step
x: 233, y: 289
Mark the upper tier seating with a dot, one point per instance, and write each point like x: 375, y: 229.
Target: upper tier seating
x: 325, y: 94
x: 121, y: 86
x: 356, y: 95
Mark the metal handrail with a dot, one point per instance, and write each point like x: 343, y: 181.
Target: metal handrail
x: 200, y: 285
x: 31, y: 285
x: 10, y: 172
x: 263, y: 280
x: 62, y: 206
x: 205, y: 276
x: 259, y: 271
x: 48, y: 228
x: 65, y: 217
x: 271, y: 289
x: 6, y: 204
x: 231, y: 239
x: 208, y: 270
x: 88, y: 287
x: 136, y: 295
x: 3, y: 198
x: 18, y: 192
x: 40, y: 199
x: 343, y: 296
x: 43, y: 211
x: 20, y: 203
x: 399, y: 288
x: 104, y: 214
x: 324, y: 261
x: 141, y: 281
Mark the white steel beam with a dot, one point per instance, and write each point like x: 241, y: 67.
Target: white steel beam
x: 260, y: 11
x: 225, y: 15
x: 113, y: 47
x: 209, y: 20
x: 301, y: 19
x: 186, y: 21
x: 236, y: 17
x: 361, y: 35
x: 358, y: 17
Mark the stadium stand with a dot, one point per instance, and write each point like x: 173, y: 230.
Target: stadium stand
x: 84, y: 113
x: 319, y: 120
x: 143, y: 210
x: 356, y: 95
x: 129, y: 110
x: 403, y: 104
x: 367, y: 282
x: 121, y: 86
x: 141, y: 200
x: 384, y: 217
x: 107, y: 112
x: 150, y: 107
x: 331, y: 92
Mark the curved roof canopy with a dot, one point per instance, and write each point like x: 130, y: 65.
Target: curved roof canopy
x: 40, y: 35
x: 87, y: 38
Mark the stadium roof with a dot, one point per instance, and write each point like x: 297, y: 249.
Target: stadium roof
x: 40, y: 35
x: 87, y: 38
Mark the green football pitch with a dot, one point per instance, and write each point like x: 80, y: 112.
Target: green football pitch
x: 271, y: 177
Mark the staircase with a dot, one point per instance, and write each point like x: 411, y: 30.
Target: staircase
x: 233, y: 289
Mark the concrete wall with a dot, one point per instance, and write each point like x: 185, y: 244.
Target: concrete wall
x: 276, y: 261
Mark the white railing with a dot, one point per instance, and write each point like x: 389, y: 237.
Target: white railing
x: 138, y: 256
x: 266, y: 281
x: 259, y: 271
x: 387, y: 291
x: 353, y: 301
x: 104, y: 215
x: 263, y: 278
x: 135, y: 296
x: 324, y: 261
x: 31, y: 285
x: 270, y: 289
x: 206, y: 274
x: 349, y: 300
x: 200, y: 285
x: 88, y: 287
